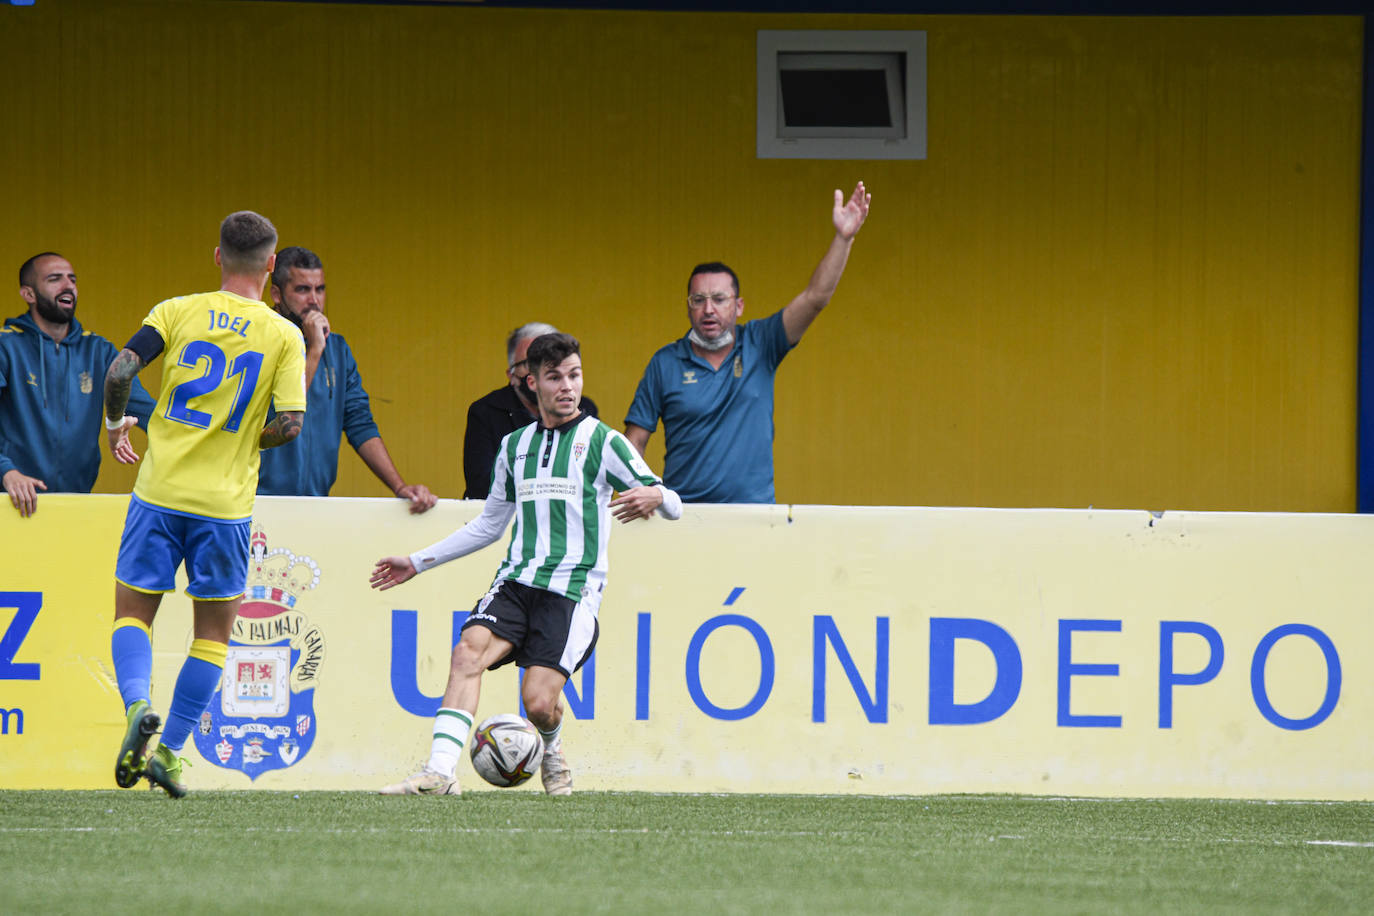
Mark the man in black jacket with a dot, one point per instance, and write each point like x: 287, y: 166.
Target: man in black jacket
x: 503, y: 411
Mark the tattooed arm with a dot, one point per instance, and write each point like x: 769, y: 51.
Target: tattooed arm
x: 283, y: 428
x: 119, y: 381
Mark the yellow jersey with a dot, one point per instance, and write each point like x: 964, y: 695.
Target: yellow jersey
x: 225, y: 359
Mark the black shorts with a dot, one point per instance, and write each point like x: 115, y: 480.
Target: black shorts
x: 545, y: 629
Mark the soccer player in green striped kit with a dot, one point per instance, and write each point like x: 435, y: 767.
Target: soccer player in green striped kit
x: 555, y: 477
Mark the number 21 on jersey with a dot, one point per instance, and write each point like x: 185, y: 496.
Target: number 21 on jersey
x: 217, y: 370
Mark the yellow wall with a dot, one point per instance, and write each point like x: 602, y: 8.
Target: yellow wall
x: 1125, y: 276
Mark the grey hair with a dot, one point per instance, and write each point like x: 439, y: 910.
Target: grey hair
x: 526, y: 332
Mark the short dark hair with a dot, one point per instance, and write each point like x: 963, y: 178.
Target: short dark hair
x: 297, y: 257
x: 550, y: 350
x: 246, y: 241
x: 713, y: 267
x: 27, y: 270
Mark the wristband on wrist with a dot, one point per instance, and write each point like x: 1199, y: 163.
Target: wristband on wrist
x: 114, y: 424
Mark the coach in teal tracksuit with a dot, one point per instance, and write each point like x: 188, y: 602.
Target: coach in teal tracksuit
x: 337, y: 403
x: 338, y: 406
x: 52, y: 375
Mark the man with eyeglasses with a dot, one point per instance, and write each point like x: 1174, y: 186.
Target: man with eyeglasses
x: 508, y: 408
x: 713, y: 388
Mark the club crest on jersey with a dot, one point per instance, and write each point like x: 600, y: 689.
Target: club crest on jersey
x: 262, y: 717
x: 87, y: 384
x: 689, y: 376
x: 579, y: 449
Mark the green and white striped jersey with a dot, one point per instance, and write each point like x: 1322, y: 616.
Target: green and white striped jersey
x: 557, y: 484
x: 560, y: 482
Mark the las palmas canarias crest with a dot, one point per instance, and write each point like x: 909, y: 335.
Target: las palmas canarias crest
x: 262, y: 717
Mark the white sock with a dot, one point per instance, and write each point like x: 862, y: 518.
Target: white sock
x: 551, y: 736
x: 451, y: 727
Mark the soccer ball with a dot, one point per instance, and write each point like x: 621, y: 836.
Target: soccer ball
x: 506, y: 750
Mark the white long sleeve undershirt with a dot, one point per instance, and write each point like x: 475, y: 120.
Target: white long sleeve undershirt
x: 483, y: 530
x: 487, y: 529
x: 671, y: 507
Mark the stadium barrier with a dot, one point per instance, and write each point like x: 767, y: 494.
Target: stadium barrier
x: 809, y: 649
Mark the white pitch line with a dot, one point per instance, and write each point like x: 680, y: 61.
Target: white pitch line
x: 1340, y: 843
x: 512, y: 831
x: 341, y: 831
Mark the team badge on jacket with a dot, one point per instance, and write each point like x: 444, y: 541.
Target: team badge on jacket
x: 262, y: 717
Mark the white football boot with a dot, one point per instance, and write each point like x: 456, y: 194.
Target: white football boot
x: 554, y: 770
x: 425, y: 782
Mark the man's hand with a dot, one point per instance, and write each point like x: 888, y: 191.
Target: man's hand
x: 315, y: 327
x: 391, y: 572
x: 850, y: 216
x: 421, y: 500
x: 22, y: 490
x: 639, y: 502
x: 119, y: 441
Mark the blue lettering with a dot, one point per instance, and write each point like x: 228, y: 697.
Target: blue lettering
x: 404, y: 640
x: 6, y: 715
x: 825, y: 632
x: 1168, y: 677
x: 26, y: 607
x: 642, y: 669
x: 234, y: 324
x: 583, y: 705
x: 1068, y: 670
x: 406, y: 689
x: 766, y: 664
x: 1333, y: 676
x: 1006, y: 659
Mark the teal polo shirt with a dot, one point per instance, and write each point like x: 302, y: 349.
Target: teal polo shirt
x: 718, y: 423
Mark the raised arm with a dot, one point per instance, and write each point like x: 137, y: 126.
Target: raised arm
x: 315, y: 330
x: 848, y: 218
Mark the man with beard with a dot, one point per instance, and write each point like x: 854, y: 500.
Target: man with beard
x: 503, y: 411
x: 338, y: 402
x: 714, y: 387
x: 51, y: 398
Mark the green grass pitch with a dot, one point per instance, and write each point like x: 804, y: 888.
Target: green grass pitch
x: 518, y: 851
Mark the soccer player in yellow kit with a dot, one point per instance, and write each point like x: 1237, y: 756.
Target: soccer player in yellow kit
x: 228, y: 357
